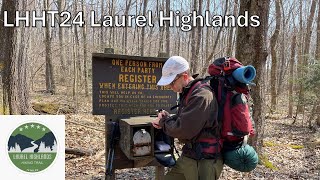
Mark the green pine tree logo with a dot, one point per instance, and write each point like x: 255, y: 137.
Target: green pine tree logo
x: 32, y: 147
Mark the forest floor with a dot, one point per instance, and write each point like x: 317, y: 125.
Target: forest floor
x: 292, y: 151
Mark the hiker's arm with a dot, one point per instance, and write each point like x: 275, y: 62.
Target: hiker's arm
x: 193, y: 117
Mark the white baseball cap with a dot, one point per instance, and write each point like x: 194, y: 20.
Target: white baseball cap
x: 171, y: 68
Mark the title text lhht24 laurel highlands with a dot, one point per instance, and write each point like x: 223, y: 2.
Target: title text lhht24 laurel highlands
x: 175, y: 19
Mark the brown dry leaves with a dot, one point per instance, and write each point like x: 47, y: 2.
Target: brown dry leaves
x: 291, y: 163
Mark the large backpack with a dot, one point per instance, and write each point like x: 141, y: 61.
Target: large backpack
x: 229, y: 80
x: 233, y: 100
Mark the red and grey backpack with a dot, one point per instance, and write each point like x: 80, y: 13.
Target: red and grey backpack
x: 229, y: 81
x: 233, y: 100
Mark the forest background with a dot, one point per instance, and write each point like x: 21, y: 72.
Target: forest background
x: 47, y: 70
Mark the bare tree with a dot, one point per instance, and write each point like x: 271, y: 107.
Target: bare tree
x: 136, y: 36
x: 318, y: 58
x: 198, y: 40
x: 143, y: 34
x: 193, y: 60
x: 284, y: 63
x: 111, y: 32
x: 305, y: 54
x: 61, y: 6
x: 251, y: 46
x: 77, y: 43
x: 22, y: 86
x: 207, y: 32
x: 125, y: 32
x: 6, y: 58
x: 231, y: 30
x: 85, y: 54
x: 273, y: 43
x: 161, y: 30
x: 50, y: 82
x: 167, y: 27
x: 293, y: 51
x: 102, y: 39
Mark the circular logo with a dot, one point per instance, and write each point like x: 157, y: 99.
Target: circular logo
x: 32, y: 147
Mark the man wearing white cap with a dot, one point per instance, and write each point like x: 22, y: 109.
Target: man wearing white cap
x: 195, y: 123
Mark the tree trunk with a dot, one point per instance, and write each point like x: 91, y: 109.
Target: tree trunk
x: 198, y: 41
x: 11, y: 79
x: 102, y: 42
x: 231, y: 31
x: 293, y: 51
x: 150, y: 42
x: 273, y: 43
x: 305, y: 54
x: 136, y: 33
x: 125, y: 32
x: 61, y: 6
x: 167, y: 27
x: 313, y: 112
x: 193, y: 59
x: 50, y: 82
x: 114, y: 30
x: 318, y: 116
x: 143, y: 34
x: 251, y: 46
x: 85, y: 58
x: 179, y: 42
x: 284, y: 65
x: 75, y: 76
x: 299, y: 59
x: 76, y: 63
x: 111, y: 32
x: 77, y: 41
x: 161, y: 31
x: 93, y: 35
x: 22, y: 67
x: 317, y: 56
x: 207, y: 33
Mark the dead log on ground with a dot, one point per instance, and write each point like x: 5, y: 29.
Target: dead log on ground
x: 79, y: 152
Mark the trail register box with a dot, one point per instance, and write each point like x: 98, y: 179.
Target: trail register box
x: 125, y: 90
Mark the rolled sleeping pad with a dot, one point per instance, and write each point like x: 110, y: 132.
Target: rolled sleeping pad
x: 245, y: 74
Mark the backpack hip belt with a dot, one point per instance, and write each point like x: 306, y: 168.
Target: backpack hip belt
x: 206, y: 145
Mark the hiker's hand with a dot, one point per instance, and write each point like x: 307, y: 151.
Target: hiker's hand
x: 161, y: 114
x: 164, y: 114
x: 155, y: 123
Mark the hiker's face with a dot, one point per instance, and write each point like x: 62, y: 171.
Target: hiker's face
x: 178, y: 83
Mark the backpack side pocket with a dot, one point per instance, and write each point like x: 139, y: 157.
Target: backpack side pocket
x: 240, y: 115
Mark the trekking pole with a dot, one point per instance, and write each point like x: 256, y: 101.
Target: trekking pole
x: 114, y: 136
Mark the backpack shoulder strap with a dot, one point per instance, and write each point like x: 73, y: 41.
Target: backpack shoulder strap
x: 197, y: 85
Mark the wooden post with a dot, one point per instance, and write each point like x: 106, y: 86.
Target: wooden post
x: 107, y: 128
x: 159, y: 172
x: 160, y: 169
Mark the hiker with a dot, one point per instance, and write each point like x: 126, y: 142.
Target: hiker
x: 195, y: 124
